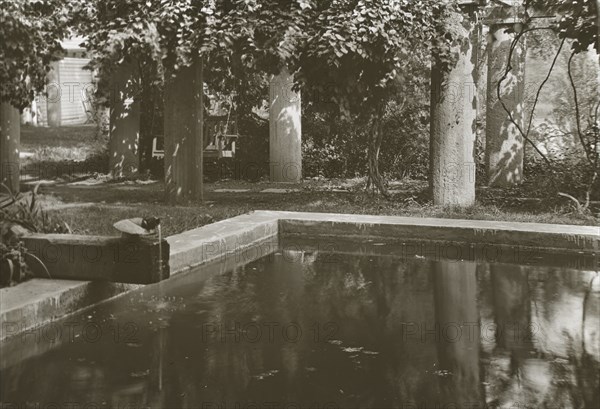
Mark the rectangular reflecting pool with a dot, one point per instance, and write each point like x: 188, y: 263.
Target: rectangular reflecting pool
x: 314, y: 328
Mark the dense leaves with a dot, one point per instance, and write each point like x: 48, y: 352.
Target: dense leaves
x: 350, y: 50
x: 31, y: 31
x: 577, y: 20
x: 362, y: 55
x: 352, y: 54
x: 356, y: 49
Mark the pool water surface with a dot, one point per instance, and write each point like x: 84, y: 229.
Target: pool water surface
x: 308, y: 329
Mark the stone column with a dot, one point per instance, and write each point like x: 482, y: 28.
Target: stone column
x: 54, y: 96
x: 504, y: 142
x: 285, y: 130
x: 124, y: 127
x: 454, y: 120
x: 10, y: 135
x: 482, y: 68
x: 184, y: 119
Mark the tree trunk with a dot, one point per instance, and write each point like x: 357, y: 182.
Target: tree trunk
x: 457, y: 318
x: 124, y: 122
x: 285, y: 130
x: 454, y: 121
x: 184, y: 119
x: 375, y: 138
x: 504, y: 142
x: 10, y: 136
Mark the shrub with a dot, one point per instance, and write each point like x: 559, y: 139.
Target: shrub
x: 336, y: 147
x: 19, y: 214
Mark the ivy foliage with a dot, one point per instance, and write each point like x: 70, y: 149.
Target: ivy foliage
x: 349, y: 49
x: 577, y: 20
x: 31, y: 31
x: 352, y: 54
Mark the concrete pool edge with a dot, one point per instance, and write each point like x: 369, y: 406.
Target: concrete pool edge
x: 38, y: 302
x: 548, y: 236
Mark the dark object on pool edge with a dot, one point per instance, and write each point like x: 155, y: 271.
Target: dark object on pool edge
x: 150, y: 223
x: 137, y: 226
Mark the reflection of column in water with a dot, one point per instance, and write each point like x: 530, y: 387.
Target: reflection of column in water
x: 513, y: 336
x: 456, y: 307
x: 591, y: 316
x: 289, y: 277
x: 587, y: 372
x: 512, y: 310
x: 161, y: 331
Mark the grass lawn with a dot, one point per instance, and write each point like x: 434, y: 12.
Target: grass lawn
x: 67, y: 152
x: 94, y: 209
x: 65, y: 143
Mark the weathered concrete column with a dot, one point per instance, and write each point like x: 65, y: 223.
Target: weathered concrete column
x: 29, y: 115
x: 54, y: 96
x: 504, y: 142
x: 457, y: 328
x: 454, y: 120
x: 124, y: 127
x: 10, y: 136
x: 285, y: 130
x: 184, y: 119
x: 482, y: 69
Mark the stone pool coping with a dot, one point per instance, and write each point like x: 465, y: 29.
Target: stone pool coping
x: 40, y: 301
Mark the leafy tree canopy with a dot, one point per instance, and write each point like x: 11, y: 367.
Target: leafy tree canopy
x: 357, y: 52
x: 348, y: 49
x: 31, y: 31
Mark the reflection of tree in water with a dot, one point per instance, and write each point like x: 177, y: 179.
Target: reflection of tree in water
x: 380, y: 296
x: 368, y: 299
x: 372, y: 360
x: 574, y: 371
x: 371, y: 299
x: 211, y: 371
x: 555, y: 370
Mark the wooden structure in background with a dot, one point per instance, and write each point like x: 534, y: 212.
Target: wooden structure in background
x: 220, y: 138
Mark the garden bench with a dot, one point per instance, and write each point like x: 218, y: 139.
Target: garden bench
x: 220, y: 138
